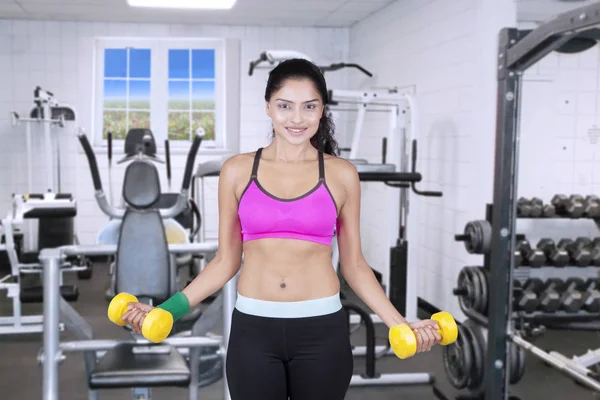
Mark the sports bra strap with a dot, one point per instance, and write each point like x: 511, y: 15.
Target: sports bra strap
x: 321, y: 167
x: 256, y: 161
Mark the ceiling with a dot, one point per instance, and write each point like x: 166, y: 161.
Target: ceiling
x: 336, y: 13
x: 537, y: 11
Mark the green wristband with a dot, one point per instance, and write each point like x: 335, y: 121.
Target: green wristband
x: 178, y: 305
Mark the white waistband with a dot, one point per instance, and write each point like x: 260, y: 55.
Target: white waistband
x: 289, y: 309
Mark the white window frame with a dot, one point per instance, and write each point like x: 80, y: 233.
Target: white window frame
x: 159, y: 87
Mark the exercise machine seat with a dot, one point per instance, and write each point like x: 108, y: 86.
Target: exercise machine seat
x: 142, y: 265
x: 143, y: 260
x: 122, y: 368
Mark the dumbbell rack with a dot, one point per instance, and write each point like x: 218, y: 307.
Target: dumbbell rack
x: 516, y: 51
x: 473, y: 291
x: 580, y: 319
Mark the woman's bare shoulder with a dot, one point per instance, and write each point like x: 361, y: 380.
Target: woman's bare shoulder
x: 341, y: 169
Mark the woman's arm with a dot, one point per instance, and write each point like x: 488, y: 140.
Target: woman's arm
x: 228, y: 259
x: 354, y: 267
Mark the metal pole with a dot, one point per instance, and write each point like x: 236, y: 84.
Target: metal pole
x: 557, y: 363
x: 229, y: 298
x: 48, y: 146
x: 503, y: 222
x: 358, y: 126
x: 51, y: 261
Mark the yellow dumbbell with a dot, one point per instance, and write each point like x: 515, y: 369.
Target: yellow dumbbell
x: 404, y: 341
x: 156, y: 326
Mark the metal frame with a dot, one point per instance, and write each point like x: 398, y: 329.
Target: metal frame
x: 399, y: 136
x: 11, y: 283
x: 55, y: 308
x: 515, y: 55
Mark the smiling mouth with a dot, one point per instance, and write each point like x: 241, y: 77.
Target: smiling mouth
x: 296, y: 131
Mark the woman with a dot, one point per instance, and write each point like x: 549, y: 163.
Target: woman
x: 280, y: 206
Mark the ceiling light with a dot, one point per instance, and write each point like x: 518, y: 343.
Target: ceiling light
x: 188, y: 4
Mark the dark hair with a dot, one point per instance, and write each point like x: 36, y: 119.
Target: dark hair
x: 296, y: 68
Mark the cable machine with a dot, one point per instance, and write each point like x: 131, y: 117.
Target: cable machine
x: 53, y: 210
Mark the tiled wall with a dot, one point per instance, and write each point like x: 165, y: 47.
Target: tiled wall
x: 446, y: 51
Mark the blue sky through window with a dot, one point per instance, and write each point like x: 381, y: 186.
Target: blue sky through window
x: 127, y: 75
x: 202, y: 64
x: 115, y: 63
x: 127, y: 90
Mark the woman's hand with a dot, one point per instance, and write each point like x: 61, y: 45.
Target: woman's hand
x: 427, y: 334
x: 135, y: 315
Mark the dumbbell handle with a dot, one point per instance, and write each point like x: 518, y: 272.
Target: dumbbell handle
x: 156, y: 326
x: 462, y: 237
x: 404, y: 341
x: 460, y: 291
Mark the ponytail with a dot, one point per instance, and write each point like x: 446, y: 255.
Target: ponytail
x: 324, y: 139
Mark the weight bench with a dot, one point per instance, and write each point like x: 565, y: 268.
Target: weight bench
x: 144, y: 269
x: 136, y: 363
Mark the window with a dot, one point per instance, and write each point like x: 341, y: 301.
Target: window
x: 191, y: 93
x: 171, y: 86
x: 126, y: 97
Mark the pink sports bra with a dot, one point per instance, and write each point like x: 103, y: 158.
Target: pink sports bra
x: 310, y: 217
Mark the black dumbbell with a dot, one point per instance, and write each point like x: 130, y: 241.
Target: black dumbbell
x: 557, y: 257
x: 518, y: 258
x: 594, y: 250
x: 550, y: 295
x: 591, y: 296
x: 591, y: 205
x: 577, y: 250
x: 526, y: 297
x: 539, y: 209
x: 571, y: 298
x: 523, y: 208
x: 531, y: 256
x: 567, y: 206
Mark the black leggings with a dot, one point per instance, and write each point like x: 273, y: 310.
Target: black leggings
x: 297, y: 358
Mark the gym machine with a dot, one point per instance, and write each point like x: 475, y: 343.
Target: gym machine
x: 394, y: 172
x: 207, y: 169
x: 53, y: 210
x: 517, y: 51
x: 136, y: 363
x: 269, y: 59
x: 140, y: 144
x: 401, y: 108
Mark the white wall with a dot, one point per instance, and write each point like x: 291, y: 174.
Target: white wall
x: 47, y: 53
x: 447, y: 50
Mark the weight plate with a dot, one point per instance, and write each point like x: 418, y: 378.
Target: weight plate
x: 486, y: 274
x: 458, y: 360
x: 466, y: 285
x: 472, y: 243
x: 486, y: 241
x: 522, y: 355
x: 513, y: 362
x: 478, y: 340
x: 478, y: 292
x: 479, y: 234
x: 484, y: 290
x: 210, y: 369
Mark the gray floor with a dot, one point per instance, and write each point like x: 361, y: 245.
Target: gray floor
x: 21, y: 377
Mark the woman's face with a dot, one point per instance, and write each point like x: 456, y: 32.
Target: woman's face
x: 296, y: 110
